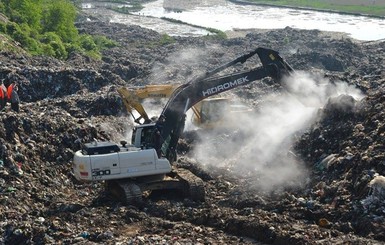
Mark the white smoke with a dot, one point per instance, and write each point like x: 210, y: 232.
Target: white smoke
x: 179, y: 67
x: 261, y: 146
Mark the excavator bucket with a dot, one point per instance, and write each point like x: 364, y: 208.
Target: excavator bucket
x: 274, y: 63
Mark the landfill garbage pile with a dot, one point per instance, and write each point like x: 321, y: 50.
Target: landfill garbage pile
x: 340, y: 199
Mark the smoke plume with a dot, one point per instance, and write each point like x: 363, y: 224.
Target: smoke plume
x: 259, y: 148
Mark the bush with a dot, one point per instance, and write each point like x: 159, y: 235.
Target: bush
x: 17, y: 17
x: 48, y: 50
x: 48, y: 27
x: 103, y: 42
x: 3, y: 27
x: 34, y: 46
x: 20, y: 37
x: 94, y: 54
x: 87, y: 43
x: 49, y: 37
x: 166, y: 39
x: 11, y: 27
x: 59, y: 50
x: 55, y: 45
x: 72, y: 47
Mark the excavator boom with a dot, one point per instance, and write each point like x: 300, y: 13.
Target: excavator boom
x: 187, y: 95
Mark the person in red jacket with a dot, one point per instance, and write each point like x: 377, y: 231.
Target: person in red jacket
x: 13, y: 97
x: 3, y: 96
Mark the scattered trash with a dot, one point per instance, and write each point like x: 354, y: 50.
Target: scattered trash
x: 64, y: 104
x: 17, y: 169
x: 326, y: 162
x: 377, y: 185
x: 11, y: 189
x: 376, y: 196
x: 85, y: 234
x: 40, y: 220
x: 324, y: 223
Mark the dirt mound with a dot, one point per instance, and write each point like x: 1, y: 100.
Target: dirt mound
x: 67, y: 102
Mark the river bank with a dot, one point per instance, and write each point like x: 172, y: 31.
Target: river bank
x: 222, y: 15
x: 372, y: 8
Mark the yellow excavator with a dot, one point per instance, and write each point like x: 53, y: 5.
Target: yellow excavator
x: 133, y: 98
x: 206, y: 114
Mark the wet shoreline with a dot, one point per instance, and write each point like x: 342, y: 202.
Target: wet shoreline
x: 245, y: 2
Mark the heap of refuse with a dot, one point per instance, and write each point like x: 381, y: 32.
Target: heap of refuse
x: 338, y: 197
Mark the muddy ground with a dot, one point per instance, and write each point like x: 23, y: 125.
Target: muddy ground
x: 329, y: 201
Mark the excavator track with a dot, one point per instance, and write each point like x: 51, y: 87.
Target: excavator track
x: 193, y: 186
x: 131, y: 191
x: 127, y: 191
x: 133, y: 194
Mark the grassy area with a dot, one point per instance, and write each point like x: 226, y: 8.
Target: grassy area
x: 217, y: 33
x: 357, y: 7
x: 127, y: 10
x: 136, y: 5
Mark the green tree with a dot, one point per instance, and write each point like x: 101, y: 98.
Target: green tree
x: 48, y: 27
x: 6, y: 8
x: 24, y: 11
x: 2, y: 7
x: 59, y: 17
x: 54, y: 45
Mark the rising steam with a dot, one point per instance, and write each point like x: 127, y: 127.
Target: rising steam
x: 261, y: 145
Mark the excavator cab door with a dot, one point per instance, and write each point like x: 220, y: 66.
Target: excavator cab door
x: 142, y: 136
x: 213, y: 110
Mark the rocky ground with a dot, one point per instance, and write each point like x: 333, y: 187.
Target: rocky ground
x: 335, y: 196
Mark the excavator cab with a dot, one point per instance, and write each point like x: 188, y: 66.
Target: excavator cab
x: 142, y: 136
x: 215, y: 112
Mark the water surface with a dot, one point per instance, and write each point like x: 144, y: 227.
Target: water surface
x: 227, y: 16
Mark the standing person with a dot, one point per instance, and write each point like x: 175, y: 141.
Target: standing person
x: 13, y: 97
x: 3, y: 96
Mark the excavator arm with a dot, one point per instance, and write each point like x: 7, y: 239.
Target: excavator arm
x: 172, y: 119
x: 132, y: 98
